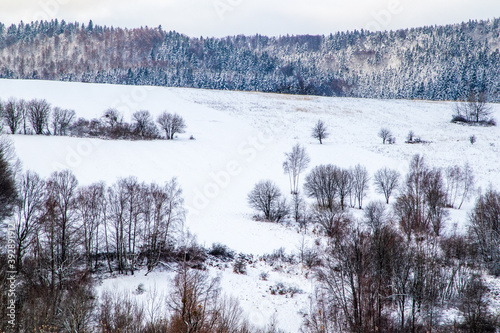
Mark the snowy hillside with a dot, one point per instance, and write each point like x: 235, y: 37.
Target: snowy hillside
x: 241, y: 138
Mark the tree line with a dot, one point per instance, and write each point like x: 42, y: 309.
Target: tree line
x: 38, y: 117
x: 432, y: 62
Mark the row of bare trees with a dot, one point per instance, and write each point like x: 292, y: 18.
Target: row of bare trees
x: 39, y: 117
x: 373, y: 278
x: 424, y: 194
x: 125, y: 222
x: 63, y: 232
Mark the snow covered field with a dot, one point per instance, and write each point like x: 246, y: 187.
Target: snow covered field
x: 241, y: 138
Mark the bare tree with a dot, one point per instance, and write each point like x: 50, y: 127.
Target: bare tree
x: 31, y: 189
x: 360, y: 183
x: 467, y: 183
x: 300, y: 214
x: 91, y: 205
x: 171, y: 124
x: 59, y: 223
x: 2, y: 110
x: 193, y: 302
x: 412, y: 206
x: 384, y: 134
x: 131, y: 189
x: 485, y: 229
x: 459, y: 184
x: 166, y: 212
x: 116, y: 217
x: 346, y: 277
x: 453, y: 178
x: 38, y: 114
x: 320, y: 131
x: 435, y: 199
x: 8, y: 193
x: 334, y: 222
x: 474, y: 108
x: 120, y: 313
x: 296, y: 162
x: 320, y: 184
x: 23, y: 110
x: 375, y: 215
x: 13, y: 115
x: 144, y: 124
x: 266, y: 197
x: 61, y: 120
x: 343, y: 182
x: 386, y: 181
x: 112, y: 118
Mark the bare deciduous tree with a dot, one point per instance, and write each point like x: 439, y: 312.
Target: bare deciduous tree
x: 193, y: 301
x: 296, y: 162
x: 144, y: 125
x: 435, y: 199
x: 59, y: 223
x: 38, y: 114
x: 474, y: 108
x: 266, y: 197
x: 91, y: 206
x: 171, y: 124
x: 384, y: 134
x: 459, y: 184
x: 343, y: 182
x: 320, y: 184
x: 320, y: 131
x: 13, y: 115
x: 467, y: 183
x: 8, y: 193
x: 485, y: 229
x: 375, y: 215
x: 386, y: 181
x: 61, y: 120
x: 112, y: 117
x: 166, y: 212
x: 334, y: 222
x: 360, y: 183
x: 31, y: 189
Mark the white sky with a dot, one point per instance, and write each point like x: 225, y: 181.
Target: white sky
x: 266, y: 17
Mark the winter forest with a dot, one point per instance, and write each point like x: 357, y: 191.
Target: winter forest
x: 430, y: 63
x: 230, y: 211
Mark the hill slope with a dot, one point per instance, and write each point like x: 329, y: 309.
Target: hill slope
x: 241, y: 138
x: 436, y: 63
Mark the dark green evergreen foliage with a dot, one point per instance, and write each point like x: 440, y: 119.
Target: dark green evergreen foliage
x: 437, y: 63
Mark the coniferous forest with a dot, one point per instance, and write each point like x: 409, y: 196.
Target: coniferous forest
x: 432, y: 63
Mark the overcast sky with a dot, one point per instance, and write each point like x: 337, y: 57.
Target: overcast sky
x: 267, y: 17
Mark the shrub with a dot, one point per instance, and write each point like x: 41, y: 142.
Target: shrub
x: 221, y: 251
x: 240, y: 264
x: 281, y: 289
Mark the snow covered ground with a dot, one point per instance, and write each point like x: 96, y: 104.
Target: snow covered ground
x: 241, y: 138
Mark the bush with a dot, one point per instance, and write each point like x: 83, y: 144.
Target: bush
x: 221, y: 251
x: 240, y: 264
x: 281, y: 289
x: 310, y: 258
x: 278, y: 255
x: 458, y: 119
x: 385, y: 134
